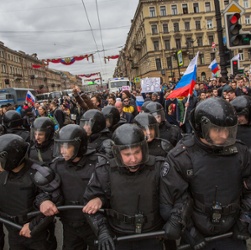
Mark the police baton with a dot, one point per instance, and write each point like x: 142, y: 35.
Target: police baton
x: 62, y: 208
x: 137, y: 236
x: 10, y: 223
x: 208, y: 239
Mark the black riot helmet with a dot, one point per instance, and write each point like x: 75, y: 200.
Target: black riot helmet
x: 130, y: 137
x: 94, y: 120
x: 70, y: 136
x: 12, y: 119
x: 43, y: 124
x: 157, y: 110
x: 242, y: 106
x: 111, y: 115
x: 148, y: 124
x: 13, y: 149
x: 215, y: 115
x: 144, y: 105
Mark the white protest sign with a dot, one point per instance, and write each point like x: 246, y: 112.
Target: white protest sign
x: 150, y: 84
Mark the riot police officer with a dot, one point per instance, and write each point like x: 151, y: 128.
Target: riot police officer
x: 75, y: 165
x: 42, y: 132
x: 94, y: 124
x: 242, y: 106
x: 150, y: 127
x: 13, y: 122
x: 215, y: 170
x: 129, y: 188
x: 113, y: 119
x: 23, y: 184
x: 167, y: 131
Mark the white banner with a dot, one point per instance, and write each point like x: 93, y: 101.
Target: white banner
x: 150, y: 84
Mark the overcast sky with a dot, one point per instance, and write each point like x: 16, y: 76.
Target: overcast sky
x: 60, y: 28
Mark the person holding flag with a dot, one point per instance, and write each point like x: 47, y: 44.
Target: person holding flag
x: 185, y: 88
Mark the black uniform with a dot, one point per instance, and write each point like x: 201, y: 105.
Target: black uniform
x: 75, y: 177
x: 130, y: 195
x: 21, y: 132
x: 18, y: 192
x: 169, y: 132
x: 159, y: 147
x: 42, y: 153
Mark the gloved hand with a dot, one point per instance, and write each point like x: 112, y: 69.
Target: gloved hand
x: 240, y: 230
x: 173, y: 228
x: 105, y: 241
x: 194, y: 238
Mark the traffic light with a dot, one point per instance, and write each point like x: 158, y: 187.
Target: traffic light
x: 235, y: 67
x: 236, y: 37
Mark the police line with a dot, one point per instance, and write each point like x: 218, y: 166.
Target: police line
x: 121, y: 238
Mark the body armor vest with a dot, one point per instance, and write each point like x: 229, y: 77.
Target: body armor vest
x: 42, y: 154
x: 74, y: 180
x: 215, y: 181
x: 17, y: 192
x: 135, y: 194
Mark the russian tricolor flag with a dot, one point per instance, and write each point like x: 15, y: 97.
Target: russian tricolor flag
x: 186, y: 84
x: 30, y: 97
x: 214, y: 66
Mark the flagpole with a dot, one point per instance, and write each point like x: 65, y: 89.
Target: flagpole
x: 185, y: 113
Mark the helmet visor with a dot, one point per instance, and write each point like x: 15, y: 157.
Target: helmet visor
x: 219, y: 136
x: 39, y: 135
x: 159, y: 115
x: 151, y: 131
x: 131, y: 155
x: 87, y: 125
x: 66, y: 149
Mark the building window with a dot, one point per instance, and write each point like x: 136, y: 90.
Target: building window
x: 163, y: 10
x: 199, y: 41
x: 169, y: 62
x: 209, y: 24
x: 165, y: 28
x: 176, y: 27
x: 210, y: 39
x: 201, y: 58
x: 197, y: 25
x: 158, y: 63
x: 174, y: 10
x: 156, y: 45
x: 245, y: 3
x: 185, y: 8
x: 247, y: 19
x: 178, y: 43
x: 167, y: 44
x: 3, y: 68
x: 212, y: 56
x: 208, y: 6
x: 152, y: 12
x: 226, y: 2
x: 189, y: 42
x: 187, y: 26
x: 196, y: 8
x: 154, y: 29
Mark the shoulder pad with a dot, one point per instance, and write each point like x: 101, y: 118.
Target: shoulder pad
x: 240, y: 142
x: 188, y: 140
x: 102, y: 160
x: 151, y: 160
x: 180, y: 148
x: 166, y: 145
x: 89, y: 151
x: 45, y: 178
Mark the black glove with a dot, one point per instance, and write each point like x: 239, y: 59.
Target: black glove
x: 194, y: 238
x: 105, y: 241
x: 240, y: 230
x: 173, y: 228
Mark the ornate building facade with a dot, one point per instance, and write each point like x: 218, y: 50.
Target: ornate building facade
x: 164, y: 32
x: 16, y: 71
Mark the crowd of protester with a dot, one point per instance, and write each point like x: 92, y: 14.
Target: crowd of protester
x: 100, y: 120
